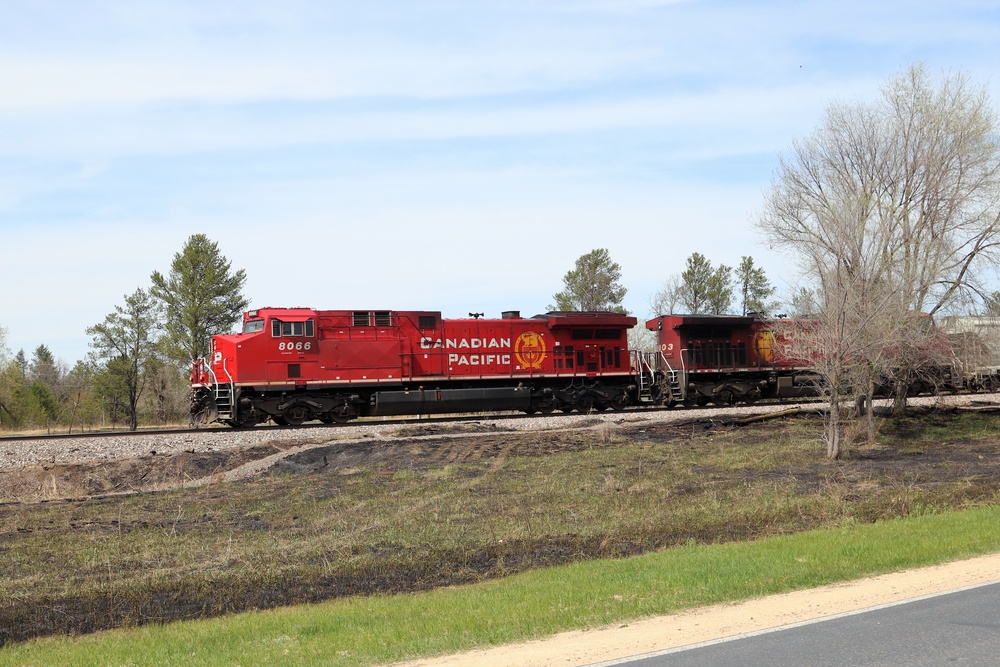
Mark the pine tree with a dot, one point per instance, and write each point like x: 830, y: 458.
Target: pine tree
x: 201, y: 297
x: 755, y: 288
x: 593, y: 285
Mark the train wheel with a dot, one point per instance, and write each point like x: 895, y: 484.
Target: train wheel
x: 245, y: 421
x: 297, y: 414
x: 723, y: 398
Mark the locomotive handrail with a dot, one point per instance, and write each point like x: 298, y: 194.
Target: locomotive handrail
x: 228, y: 375
x: 680, y: 375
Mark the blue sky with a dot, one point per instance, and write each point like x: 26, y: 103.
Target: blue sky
x: 449, y: 156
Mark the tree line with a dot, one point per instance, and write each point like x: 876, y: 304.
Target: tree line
x: 593, y: 284
x: 141, y: 353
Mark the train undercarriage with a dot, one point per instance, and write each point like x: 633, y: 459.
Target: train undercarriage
x: 244, y: 407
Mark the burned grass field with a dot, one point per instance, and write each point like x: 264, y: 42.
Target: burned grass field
x: 160, y: 538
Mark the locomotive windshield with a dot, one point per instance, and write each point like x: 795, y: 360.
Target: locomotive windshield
x: 253, y: 326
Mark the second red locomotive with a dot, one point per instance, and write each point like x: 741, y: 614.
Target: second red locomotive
x: 726, y: 359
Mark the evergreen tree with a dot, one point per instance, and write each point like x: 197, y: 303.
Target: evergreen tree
x: 755, y: 289
x: 43, y: 367
x: 201, y: 296
x: 720, y: 290
x: 22, y: 362
x: 704, y: 289
x: 694, y: 284
x: 593, y: 285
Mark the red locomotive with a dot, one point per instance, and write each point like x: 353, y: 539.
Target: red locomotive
x: 291, y: 365
x: 725, y: 359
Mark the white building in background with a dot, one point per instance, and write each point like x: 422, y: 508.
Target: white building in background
x: 976, y: 339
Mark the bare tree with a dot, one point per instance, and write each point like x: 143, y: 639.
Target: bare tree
x: 665, y: 301
x: 893, y: 206
x: 126, y: 342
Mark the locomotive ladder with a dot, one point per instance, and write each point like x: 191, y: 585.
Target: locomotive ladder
x: 645, y: 375
x: 676, y: 394
x: 224, y: 400
x: 646, y: 363
x: 224, y: 395
x: 673, y: 381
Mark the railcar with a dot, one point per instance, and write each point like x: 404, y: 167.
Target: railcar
x: 292, y: 365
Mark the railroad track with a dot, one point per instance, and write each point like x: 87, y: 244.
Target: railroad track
x: 987, y: 399
x: 446, y: 419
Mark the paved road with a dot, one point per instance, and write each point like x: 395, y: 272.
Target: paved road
x: 959, y: 628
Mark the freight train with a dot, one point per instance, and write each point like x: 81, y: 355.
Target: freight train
x: 292, y: 365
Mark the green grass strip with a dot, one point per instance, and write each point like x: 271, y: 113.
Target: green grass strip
x: 364, y: 631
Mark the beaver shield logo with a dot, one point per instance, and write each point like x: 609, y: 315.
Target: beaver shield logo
x: 529, y: 349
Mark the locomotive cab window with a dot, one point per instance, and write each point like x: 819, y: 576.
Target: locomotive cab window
x: 281, y: 329
x: 253, y: 326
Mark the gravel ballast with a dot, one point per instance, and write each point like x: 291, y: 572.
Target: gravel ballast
x: 88, y: 448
